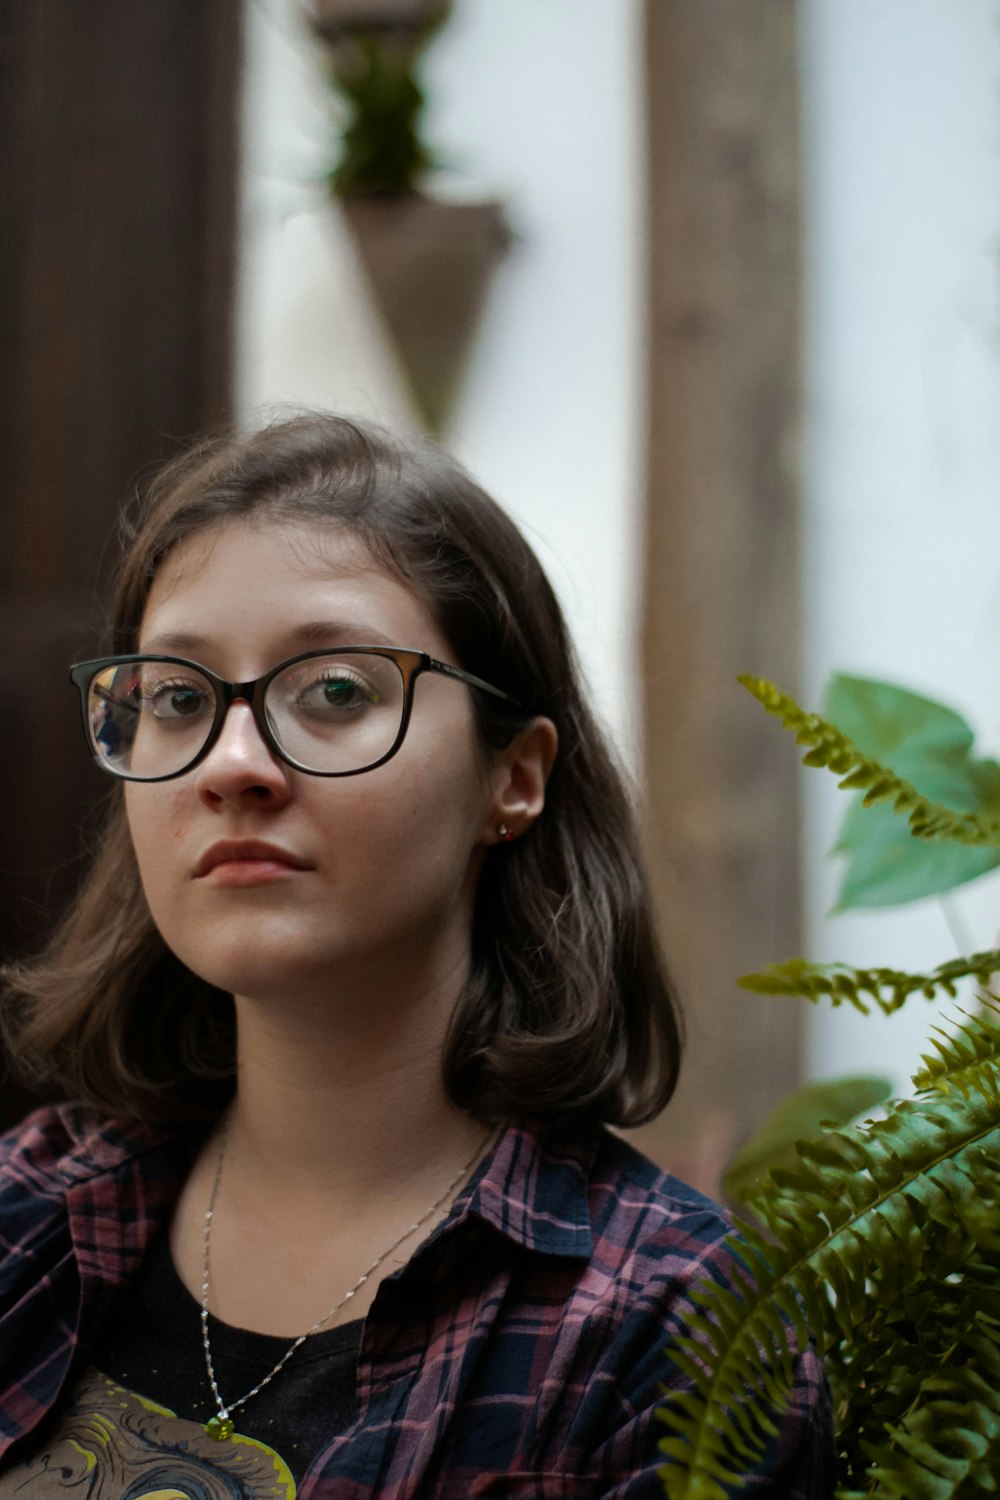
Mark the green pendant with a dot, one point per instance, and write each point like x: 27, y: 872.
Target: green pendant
x: 220, y: 1427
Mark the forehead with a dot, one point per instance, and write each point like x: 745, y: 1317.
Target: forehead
x: 263, y: 584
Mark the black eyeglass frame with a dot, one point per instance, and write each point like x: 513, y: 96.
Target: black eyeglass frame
x: 411, y: 664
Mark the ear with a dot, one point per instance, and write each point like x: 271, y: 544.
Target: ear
x: 520, y: 772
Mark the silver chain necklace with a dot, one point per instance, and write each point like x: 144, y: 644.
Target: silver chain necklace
x: 221, y: 1426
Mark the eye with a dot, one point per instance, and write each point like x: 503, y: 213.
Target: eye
x: 336, y: 690
x: 173, y: 699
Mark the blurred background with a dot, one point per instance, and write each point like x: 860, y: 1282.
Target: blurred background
x: 704, y: 291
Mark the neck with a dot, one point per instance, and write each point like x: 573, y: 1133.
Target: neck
x: 340, y: 1098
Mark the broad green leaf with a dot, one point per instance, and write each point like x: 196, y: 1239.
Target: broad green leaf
x: 828, y: 746
x: 834, y: 1101
x: 881, y: 718
x: 886, y: 865
x: 930, y: 746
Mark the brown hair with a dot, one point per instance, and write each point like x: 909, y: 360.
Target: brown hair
x: 567, y: 1010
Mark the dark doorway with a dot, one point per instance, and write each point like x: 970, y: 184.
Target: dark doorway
x: 118, y: 151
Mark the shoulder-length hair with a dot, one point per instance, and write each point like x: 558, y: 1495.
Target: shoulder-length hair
x: 567, y: 1010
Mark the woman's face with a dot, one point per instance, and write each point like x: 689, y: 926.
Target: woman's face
x: 373, y: 876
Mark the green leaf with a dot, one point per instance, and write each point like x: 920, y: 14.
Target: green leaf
x: 833, y: 1101
x: 887, y: 866
x: 829, y: 747
x: 883, y: 718
x: 930, y: 746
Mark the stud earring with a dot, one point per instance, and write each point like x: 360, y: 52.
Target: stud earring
x: 505, y: 833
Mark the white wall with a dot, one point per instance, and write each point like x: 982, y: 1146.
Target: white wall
x: 536, y: 104
x: 902, y: 571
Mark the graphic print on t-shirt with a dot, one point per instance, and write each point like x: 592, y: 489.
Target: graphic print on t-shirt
x: 111, y: 1444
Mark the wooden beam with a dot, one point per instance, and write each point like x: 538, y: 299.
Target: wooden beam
x: 722, y: 546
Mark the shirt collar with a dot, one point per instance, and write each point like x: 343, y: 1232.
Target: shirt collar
x: 533, y: 1188
x: 101, y: 1145
x: 120, y: 1180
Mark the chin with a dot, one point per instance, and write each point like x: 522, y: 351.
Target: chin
x: 252, y: 961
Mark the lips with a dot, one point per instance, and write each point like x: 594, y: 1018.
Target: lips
x: 246, y: 852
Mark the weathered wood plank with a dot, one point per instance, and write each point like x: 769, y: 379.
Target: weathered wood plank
x: 722, y: 545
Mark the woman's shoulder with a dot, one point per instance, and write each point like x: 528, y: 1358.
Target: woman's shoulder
x: 61, y: 1143
x: 43, y: 1138
x: 619, y: 1163
x: 654, y: 1219
x: 583, y: 1190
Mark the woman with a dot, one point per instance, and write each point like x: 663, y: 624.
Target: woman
x: 364, y: 965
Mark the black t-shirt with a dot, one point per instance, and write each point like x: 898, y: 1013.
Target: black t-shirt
x: 152, y: 1347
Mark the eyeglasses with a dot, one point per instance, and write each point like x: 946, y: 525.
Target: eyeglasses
x: 328, y: 713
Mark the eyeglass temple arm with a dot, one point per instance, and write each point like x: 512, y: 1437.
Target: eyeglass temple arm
x: 486, y: 687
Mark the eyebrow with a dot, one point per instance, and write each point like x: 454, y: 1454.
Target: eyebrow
x: 309, y: 633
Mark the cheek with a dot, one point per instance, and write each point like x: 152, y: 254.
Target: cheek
x: 444, y: 786
x: 157, y: 831
x: 412, y: 831
x: 384, y: 830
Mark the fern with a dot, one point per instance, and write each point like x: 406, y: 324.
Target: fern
x: 943, y: 1384
x: 869, y: 1239
x: 884, y: 1238
x: 946, y: 1449
x: 830, y: 748
x: 888, y: 989
x: 967, y: 1057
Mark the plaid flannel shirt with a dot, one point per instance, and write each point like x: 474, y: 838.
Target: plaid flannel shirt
x: 522, y: 1352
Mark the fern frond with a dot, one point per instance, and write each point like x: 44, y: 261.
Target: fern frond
x: 894, y: 1370
x: 869, y: 1214
x: 828, y: 747
x: 965, y: 1058
x: 888, y: 989
x: 948, y: 1443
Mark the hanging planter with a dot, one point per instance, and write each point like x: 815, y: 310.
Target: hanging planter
x: 429, y: 263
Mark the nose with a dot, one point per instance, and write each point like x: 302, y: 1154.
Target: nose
x: 241, y: 767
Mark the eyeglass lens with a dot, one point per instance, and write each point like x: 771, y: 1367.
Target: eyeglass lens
x: 335, y: 713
